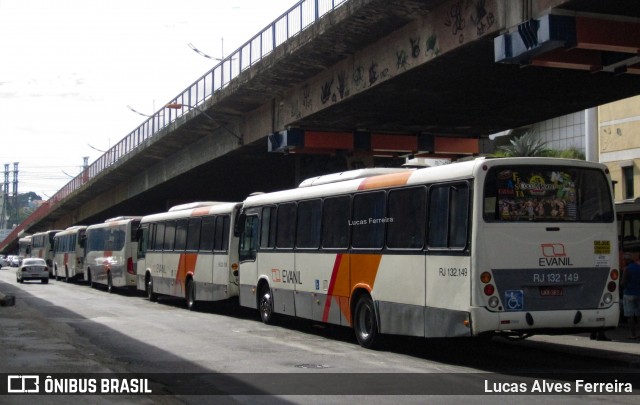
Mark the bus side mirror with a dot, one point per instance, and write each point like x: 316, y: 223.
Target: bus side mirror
x: 239, y: 225
x: 83, y: 241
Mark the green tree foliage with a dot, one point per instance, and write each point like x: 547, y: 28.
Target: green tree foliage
x: 529, y: 144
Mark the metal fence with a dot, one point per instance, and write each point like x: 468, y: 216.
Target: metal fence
x: 288, y: 25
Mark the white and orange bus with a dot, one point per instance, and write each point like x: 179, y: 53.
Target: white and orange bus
x: 42, y: 247
x: 111, y: 249
x: 511, y: 246
x: 68, y: 253
x: 189, y: 252
x: 24, y: 245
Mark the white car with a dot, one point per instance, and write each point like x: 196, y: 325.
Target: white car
x: 15, y: 261
x: 33, y: 269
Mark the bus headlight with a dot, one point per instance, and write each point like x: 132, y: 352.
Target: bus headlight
x: 493, y: 302
x: 608, y: 298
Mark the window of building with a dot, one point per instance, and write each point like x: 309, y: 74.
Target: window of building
x: 627, y: 179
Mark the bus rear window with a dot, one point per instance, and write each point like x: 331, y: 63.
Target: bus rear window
x: 547, y: 194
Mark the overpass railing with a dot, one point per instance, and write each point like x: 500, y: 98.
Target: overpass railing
x: 291, y: 23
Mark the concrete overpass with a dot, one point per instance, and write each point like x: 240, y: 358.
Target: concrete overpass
x: 359, y: 82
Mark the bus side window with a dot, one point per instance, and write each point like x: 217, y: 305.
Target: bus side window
x: 223, y: 224
x: 143, y: 236
x: 448, y: 216
x: 407, y: 214
x: 249, y: 238
x: 158, y: 237
x: 193, y: 234
x: 268, y: 232
x: 368, y: 220
x: 181, y: 235
x: 207, y: 234
x: 169, y: 236
x: 286, y: 231
x: 308, y: 227
x: 336, y: 214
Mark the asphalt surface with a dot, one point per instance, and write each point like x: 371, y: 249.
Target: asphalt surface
x: 23, y: 327
x: 620, y: 350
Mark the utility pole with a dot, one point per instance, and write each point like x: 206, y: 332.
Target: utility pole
x: 5, y: 198
x: 16, y: 208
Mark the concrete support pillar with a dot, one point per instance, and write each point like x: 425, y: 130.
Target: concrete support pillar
x: 591, y: 147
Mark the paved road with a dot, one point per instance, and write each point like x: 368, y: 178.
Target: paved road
x: 67, y: 327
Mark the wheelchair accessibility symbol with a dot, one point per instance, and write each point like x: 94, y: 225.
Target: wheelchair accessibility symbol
x: 514, y: 300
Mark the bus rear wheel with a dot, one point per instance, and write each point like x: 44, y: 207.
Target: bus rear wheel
x: 191, y: 295
x: 109, y: 283
x: 153, y: 297
x: 365, y: 323
x: 265, y: 305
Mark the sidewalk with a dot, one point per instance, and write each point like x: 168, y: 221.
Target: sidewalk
x: 621, y: 350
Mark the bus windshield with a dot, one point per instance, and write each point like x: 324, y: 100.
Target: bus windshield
x: 110, y: 239
x: 547, y: 194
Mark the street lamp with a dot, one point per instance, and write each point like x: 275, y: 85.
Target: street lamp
x: 94, y: 148
x: 138, y: 112
x: 179, y: 106
x: 199, y: 52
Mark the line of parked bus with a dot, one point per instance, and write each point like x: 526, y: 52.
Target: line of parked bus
x: 489, y: 246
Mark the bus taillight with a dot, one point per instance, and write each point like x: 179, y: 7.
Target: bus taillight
x: 130, y: 268
x: 485, y: 277
x: 614, y: 274
x: 611, y: 286
x: 489, y: 289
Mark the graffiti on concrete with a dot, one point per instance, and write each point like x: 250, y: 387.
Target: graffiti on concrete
x: 401, y: 60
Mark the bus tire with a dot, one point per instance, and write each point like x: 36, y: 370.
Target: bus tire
x: 89, y: 280
x: 265, y: 305
x: 109, y: 283
x: 153, y: 297
x: 365, y: 323
x: 191, y: 295
x: 44, y: 281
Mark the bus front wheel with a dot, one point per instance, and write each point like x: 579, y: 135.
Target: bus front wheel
x: 150, y: 294
x: 265, y: 305
x: 365, y: 323
x: 109, y: 283
x: 89, y: 280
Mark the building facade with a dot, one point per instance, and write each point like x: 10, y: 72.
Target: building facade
x: 619, y: 140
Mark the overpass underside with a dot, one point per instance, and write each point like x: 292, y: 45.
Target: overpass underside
x: 370, y: 83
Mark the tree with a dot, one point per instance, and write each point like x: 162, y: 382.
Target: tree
x: 526, y: 145
x: 529, y: 144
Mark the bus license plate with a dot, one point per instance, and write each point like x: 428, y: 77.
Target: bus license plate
x: 551, y: 291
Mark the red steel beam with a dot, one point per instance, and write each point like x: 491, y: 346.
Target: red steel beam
x: 607, y: 35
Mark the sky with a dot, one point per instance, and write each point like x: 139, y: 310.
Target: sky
x: 70, y: 68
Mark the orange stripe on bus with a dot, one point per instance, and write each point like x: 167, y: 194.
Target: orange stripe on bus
x: 198, y: 212
x: 385, y: 180
x: 186, y: 266
x: 350, y: 270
